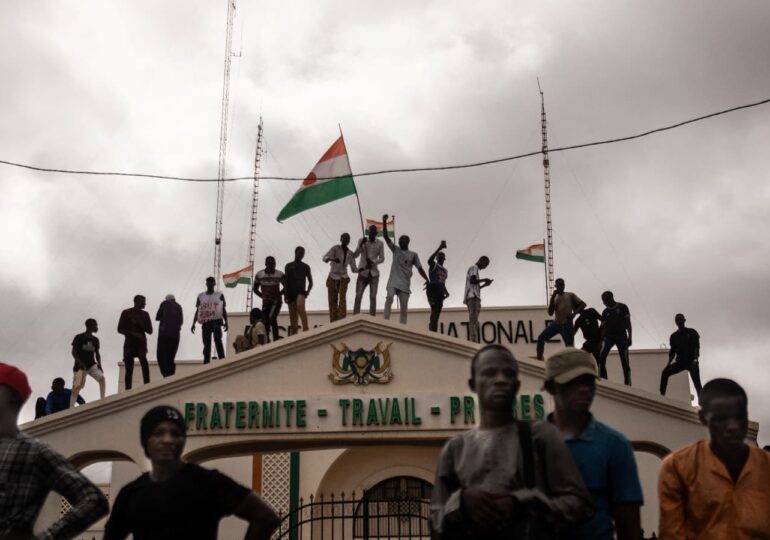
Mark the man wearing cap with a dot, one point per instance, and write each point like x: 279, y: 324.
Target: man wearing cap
x: 177, y: 500
x: 170, y: 319
x: 29, y: 470
x: 604, y: 456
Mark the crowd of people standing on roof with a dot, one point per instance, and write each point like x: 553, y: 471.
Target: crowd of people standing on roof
x: 601, y: 331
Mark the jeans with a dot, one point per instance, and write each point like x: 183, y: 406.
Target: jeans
x: 338, y: 290
x: 128, y: 362
x: 566, y: 330
x: 403, y: 298
x: 677, y: 367
x: 270, y: 311
x: 474, y: 308
x: 297, y: 310
x: 361, y: 284
x: 212, y: 328
x: 621, y: 342
x: 167, y: 347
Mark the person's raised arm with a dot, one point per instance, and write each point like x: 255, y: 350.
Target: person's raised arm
x: 552, y: 304
x: 262, y: 519
x: 432, y: 258
x: 385, y: 234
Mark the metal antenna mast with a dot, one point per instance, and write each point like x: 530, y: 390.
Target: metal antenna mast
x: 254, y: 204
x: 223, y: 128
x: 547, y: 178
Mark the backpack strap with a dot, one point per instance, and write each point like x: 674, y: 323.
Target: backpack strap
x: 527, y: 452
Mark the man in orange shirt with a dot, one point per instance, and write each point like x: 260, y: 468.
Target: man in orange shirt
x: 717, y: 488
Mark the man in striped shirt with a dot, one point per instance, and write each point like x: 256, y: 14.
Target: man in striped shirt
x: 29, y: 470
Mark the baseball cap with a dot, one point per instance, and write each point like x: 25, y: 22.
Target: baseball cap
x: 16, y: 379
x: 568, y: 364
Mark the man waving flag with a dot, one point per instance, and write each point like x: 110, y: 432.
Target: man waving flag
x: 330, y: 179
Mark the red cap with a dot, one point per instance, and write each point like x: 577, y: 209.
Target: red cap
x: 16, y: 379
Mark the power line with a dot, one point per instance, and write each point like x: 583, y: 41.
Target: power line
x: 394, y: 171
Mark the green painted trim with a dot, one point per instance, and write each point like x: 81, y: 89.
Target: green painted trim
x: 435, y: 410
x: 322, y: 412
x: 293, y: 495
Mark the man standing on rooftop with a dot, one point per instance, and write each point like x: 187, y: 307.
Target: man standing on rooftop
x: 170, y: 319
x: 340, y: 258
x: 683, y: 355
x: 563, y: 307
x: 472, y: 298
x: 299, y: 283
x: 135, y: 324
x: 88, y: 361
x: 372, y: 252
x: 211, y: 312
x: 268, y: 285
x: 399, y: 282
x: 616, y: 331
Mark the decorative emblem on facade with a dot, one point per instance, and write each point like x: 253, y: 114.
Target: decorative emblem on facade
x: 361, y: 366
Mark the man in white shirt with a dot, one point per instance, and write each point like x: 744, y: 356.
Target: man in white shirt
x: 472, y: 298
x: 400, y: 271
x: 340, y: 258
x: 372, y: 252
x: 211, y: 312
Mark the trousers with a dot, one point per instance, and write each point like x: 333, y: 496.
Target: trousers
x: 212, y: 329
x: 338, y: 290
x: 361, y: 284
x: 403, y: 299
x: 474, y: 309
x: 678, y: 366
x: 621, y: 342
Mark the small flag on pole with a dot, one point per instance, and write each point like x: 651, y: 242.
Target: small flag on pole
x: 330, y: 179
x: 534, y: 253
x: 378, y: 224
x: 241, y: 276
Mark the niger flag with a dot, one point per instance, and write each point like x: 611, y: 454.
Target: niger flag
x: 330, y: 179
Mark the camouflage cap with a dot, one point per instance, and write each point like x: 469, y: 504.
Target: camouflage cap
x: 569, y: 363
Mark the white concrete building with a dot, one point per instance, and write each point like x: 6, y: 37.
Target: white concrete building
x: 360, y: 404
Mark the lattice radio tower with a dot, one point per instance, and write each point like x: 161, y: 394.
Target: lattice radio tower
x: 223, y: 129
x: 254, y: 205
x: 547, y: 178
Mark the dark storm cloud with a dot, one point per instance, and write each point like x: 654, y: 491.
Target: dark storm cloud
x: 672, y: 223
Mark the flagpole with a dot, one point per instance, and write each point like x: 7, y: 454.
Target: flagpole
x: 545, y: 268
x: 353, y: 178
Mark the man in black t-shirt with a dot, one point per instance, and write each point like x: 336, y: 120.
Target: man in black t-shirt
x: 616, y: 331
x: 685, y: 347
x: 135, y: 324
x: 88, y: 361
x: 299, y: 282
x: 588, y: 323
x: 178, y: 500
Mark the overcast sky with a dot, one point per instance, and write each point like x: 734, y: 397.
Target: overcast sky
x: 673, y: 222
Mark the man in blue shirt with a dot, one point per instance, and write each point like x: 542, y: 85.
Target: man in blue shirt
x: 59, y: 397
x: 604, y: 456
